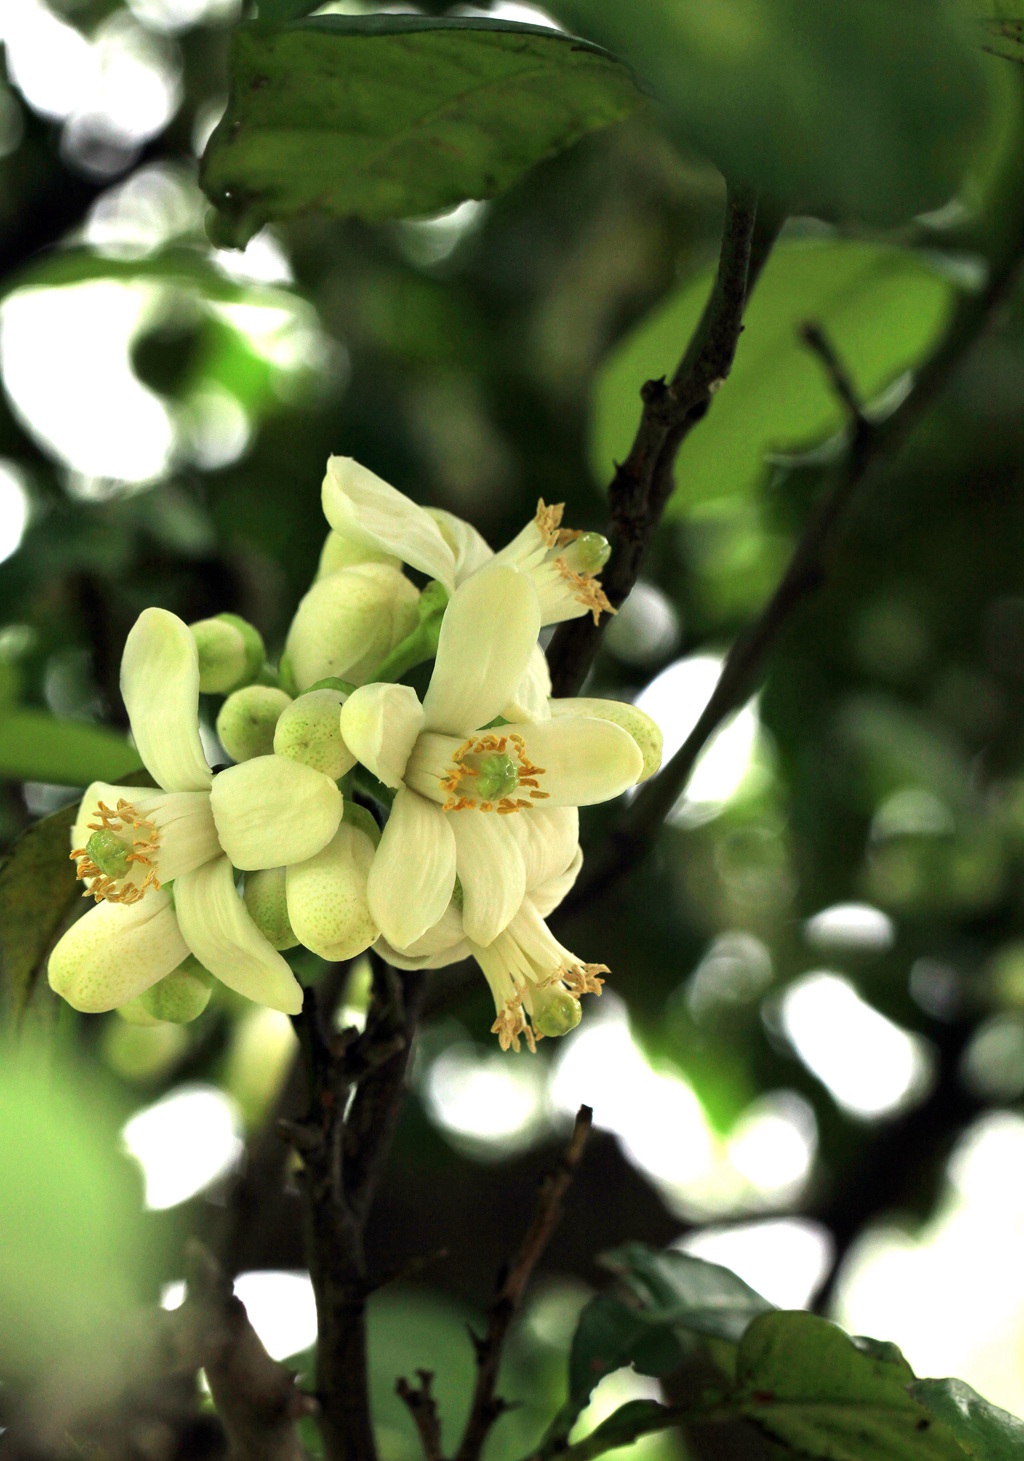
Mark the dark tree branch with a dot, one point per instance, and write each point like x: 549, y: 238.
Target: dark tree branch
x: 256, y: 1397
x: 423, y: 1409
x: 744, y: 665
x: 357, y: 1083
x: 486, y: 1405
x: 644, y: 482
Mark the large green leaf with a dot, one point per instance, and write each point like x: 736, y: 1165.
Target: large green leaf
x: 387, y: 116
x: 807, y: 1386
x: 36, y: 746
x: 984, y: 1431
x: 611, y: 1335
x: 1002, y: 23
x: 865, y: 108
x: 883, y: 308
x: 680, y: 1290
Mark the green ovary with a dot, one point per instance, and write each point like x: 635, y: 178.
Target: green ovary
x: 109, y: 853
x: 497, y: 777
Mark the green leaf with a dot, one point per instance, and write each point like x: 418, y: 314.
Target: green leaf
x: 635, y: 1418
x: 867, y: 109
x: 882, y: 308
x: 680, y: 1290
x: 1002, y: 23
x: 176, y: 265
x: 807, y: 1386
x: 387, y: 116
x: 611, y: 1335
x: 36, y: 746
x: 984, y: 1431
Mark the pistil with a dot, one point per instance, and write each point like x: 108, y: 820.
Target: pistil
x: 118, y: 863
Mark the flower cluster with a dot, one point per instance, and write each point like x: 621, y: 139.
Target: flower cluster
x: 474, y: 835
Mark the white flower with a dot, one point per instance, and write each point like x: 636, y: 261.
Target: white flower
x: 460, y: 785
x: 129, y: 843
x: 369, y: 516
x: 535, y: 981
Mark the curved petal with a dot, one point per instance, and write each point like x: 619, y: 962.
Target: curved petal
x: 372, y: 514
x: 413, y: 872
x: 487, y: 637
x: 327, y: 903
x: 160, y: 689
x: 445, y: 935
x: 116, y: 952
x: 582, y: 761
x: 451, y: 955
x: 272, y: 811
x: 530, y: 701
x: 645, y: 731
x: 379, y: 725
x: 547, y: 841
x: 217, y: 928
x: 471, y: 551
x: 549, y: 894
x: 491, y: 870
x: 188, y: 833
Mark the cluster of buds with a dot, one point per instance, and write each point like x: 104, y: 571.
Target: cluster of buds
x: 357, y: 815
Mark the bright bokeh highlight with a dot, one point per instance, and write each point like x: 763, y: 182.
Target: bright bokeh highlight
x: 184, y: 1142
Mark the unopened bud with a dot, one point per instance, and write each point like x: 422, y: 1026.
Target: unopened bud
x: 327, y: 898
x: 309, y: 730
x: 588, y: 553
x: 180, y: 996
x: 339, y: 551
x: 555, y: 1011
x: 349, y: 622
x: 645, y: 731
x: 231, y: 653
x: 247, y: 721
x: 266, y: 901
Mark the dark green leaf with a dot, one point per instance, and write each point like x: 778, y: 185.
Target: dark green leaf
x: 984, y: 1431
x: 389, y: 116
x: 867, y: 108
x: 610, y: 1335
x: 680, y: 1290
x: 807, y: 1386
x: 882, y: 308
x: 1002, y: 26
x: 36, y: 746
x: 635, y: 1418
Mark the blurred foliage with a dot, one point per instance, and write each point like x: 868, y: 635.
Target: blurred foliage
x: 457, y: 356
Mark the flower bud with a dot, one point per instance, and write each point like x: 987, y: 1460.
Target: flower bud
x: 268, y: 908
x: 555, y: 1011
x: 327, y: 901
x: 339, y: 551
x: 309, y: 730
x: 247, y: 721
x: 231, y: 653
x: 348, y: 622
x: 645, y: 731
x: 177, y: 999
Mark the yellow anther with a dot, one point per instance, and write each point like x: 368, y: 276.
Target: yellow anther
x: 586, y: 590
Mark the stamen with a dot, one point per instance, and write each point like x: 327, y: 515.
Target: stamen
x: 582, y: 979
x: 548, y: 521
x: 109, y: 859
x: 485, y: 772
x: 511, y: 1026
x: 586, y: 590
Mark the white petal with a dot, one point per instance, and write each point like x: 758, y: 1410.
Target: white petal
x: 491, y: 870
x: 217, y: 928
x: 188, y: 833
x: 645, y: 731
x: 471, y: 551
x: 117, y: 951
x: 530, y: 701
x: 487, y: 636
x: 446, y: 935
x: 584, y: 761
x: 413, y: 872
x: 327, y: 901
x: 372, y: 514
x: 272, y: 811
x: 160, y: 689
x: 379, y: 725
x: 454, y: 954
x: 547, y: 840
x: 549, y: 894
x: 348, y: 622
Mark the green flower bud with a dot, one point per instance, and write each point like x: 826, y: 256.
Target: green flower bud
x: 645, y: 731
x: 348, y: 622
x: 177, y: 999
x: 247, y: 721
x: 268, y: 908
x: 588, y: 553
x: 340, y: 552
x: 327, y: 896
x: 231, y: 653
x: 309, y: 730
x: 555, y: 1011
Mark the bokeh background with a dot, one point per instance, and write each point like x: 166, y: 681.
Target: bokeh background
x: 809, y: 1062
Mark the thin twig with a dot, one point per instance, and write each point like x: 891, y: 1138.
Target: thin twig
x: 423, y: 1409
x: 872, y: 441
x: 486, y: 1405
x: 817, y: 341
x: 643, y: 483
